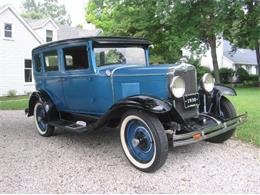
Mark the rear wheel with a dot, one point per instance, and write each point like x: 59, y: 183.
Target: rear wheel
x: 143, y: 140
x: 228, y: 111
x: 43, y: 128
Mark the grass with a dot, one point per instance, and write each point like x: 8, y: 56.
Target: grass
x: 14, y: 103
x: 248, y: 100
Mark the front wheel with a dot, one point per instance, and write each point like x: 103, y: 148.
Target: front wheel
x: 43, y: 128
x: 143, y: 140
x: 228, y: 111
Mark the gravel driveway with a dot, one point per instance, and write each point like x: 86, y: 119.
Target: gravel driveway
x: 81, y: 163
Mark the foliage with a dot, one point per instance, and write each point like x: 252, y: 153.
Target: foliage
x: 139, y: 19
x: 242, y: 75
x: 201, y: 70
x: 253, y: 78
x: 226, y: 74
x: 243, y: 29
x: 192, y: 60
x: 11, y: 93
x: 46, y: 9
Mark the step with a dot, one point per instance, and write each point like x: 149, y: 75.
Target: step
x: 71, y: 125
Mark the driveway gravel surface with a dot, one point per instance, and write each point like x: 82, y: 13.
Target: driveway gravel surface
x: 94, y: 163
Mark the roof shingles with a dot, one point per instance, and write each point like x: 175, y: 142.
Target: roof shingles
x: 241, y: 56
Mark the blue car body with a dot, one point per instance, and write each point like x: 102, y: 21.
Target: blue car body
x: 102, y: 94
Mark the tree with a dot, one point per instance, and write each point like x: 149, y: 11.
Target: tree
x: 244, y: 28
x: 203, y: 22
x: 140, y: 19
x: 47, y: 8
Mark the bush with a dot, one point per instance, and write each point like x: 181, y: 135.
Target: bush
x: 226, y: 75
x: 242, y: 75
x: 253, y: 78
x: 11, y: 93
x: 250, y: 83
x: 201, y: 70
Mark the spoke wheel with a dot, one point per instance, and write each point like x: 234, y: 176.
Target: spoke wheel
x: 40, y: 121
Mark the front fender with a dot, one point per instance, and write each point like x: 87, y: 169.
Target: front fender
x: 224, y: 90
x: 210, y: 102
x: 147, y: 103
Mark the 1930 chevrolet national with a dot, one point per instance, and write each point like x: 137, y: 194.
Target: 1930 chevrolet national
x: 87, y: 83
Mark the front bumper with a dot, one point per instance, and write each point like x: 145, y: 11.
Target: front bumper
x: 208, y: 132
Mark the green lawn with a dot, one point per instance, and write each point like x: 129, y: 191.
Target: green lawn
x: 248, y: 100
x: 14, y: 103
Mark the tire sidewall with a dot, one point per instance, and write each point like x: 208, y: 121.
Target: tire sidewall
x: 40, y: 131
x: 160, y: 141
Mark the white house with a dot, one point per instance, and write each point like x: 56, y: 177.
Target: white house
x: 245, y: 58
x: 18, y: 36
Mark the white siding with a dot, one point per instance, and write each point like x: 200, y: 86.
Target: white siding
x: 41, y: 32
x: 13, y: 53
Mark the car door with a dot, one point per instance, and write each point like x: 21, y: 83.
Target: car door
x: 77, y: 79
x: 51, y: 77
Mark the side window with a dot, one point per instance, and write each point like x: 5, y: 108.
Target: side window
x: 75, y: 58
x: 51, y: 61
x: 28, y: 71
x: 37, y: 63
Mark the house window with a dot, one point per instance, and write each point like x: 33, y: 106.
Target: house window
x: 76, y: 58
x: 49, y: 35
x: 28, y: 71
x: 8, y: 30
x: 51, y: 61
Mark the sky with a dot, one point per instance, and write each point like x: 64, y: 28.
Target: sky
x: 75, y: 8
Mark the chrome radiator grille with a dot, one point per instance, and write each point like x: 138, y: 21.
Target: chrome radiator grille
x: 188, y: 73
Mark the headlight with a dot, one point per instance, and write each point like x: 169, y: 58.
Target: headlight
x: 208, y: 82
x: 177, y: 87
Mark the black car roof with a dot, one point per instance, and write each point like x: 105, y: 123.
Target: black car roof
x: 100, y: 40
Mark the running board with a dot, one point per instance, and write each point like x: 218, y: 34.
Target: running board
x: 72, y: 126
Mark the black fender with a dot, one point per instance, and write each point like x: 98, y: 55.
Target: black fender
x: 44, y: 98
x: 213, y: 98
x: 154, y: 105
x: 225, y: 90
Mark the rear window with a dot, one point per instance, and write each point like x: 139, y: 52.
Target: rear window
x: 76, y: 58
x: 51, y: 61
x: 37, y: 63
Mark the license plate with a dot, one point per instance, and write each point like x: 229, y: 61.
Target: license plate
x: 191, y: 100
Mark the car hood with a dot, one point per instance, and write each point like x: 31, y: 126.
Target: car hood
x: 130, y: 70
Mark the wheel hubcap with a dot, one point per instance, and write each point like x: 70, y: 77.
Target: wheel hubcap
x: 139, y: 141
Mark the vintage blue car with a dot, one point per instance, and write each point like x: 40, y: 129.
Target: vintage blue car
x: 88, y: 83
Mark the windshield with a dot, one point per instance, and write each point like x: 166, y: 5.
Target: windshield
x: 120, y: 55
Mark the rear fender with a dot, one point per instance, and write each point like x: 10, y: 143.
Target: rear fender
x: 49, y: 106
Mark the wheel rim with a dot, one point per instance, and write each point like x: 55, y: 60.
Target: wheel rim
x: 139, y: 141
x: 40, y: 119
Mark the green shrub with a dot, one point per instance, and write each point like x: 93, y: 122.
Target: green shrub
x: 250, y: 83
x: 253, y: 78
x: 201, y: 70
x: 226, y: 75
x: 242, y: 75
x: 11, y: 93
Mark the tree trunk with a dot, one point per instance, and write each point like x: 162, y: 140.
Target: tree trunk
x: 213, y: 48
x: 257, y: 50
